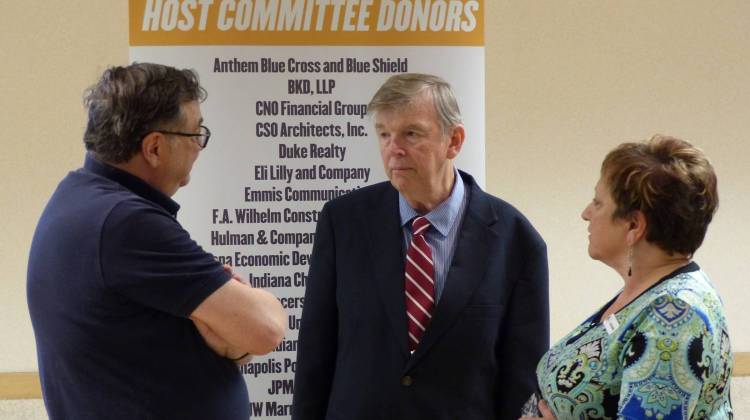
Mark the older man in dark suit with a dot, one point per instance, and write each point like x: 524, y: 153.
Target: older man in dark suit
x: 427, y: 297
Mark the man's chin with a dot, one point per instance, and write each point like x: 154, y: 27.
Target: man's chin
x: 398, y: 183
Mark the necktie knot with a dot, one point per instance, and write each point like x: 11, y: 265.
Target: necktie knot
x: 420, y: 225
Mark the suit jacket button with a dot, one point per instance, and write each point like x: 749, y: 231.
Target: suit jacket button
x: 406, y: 380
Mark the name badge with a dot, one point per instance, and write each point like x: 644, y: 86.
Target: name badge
x: 611, y: 324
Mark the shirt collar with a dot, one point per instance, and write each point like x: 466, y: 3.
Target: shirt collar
x: 444, y: 215
x: 131, y: 182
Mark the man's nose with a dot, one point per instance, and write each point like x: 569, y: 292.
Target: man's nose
x: 396, y: 145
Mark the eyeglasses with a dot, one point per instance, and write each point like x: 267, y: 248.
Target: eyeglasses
x: 202, y: 137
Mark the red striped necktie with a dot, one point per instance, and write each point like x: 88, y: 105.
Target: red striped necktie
x: 419, y: 282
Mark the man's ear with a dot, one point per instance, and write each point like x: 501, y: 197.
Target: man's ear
x: 457, y: 137
x: 637, y: 224
x: 152, y: 148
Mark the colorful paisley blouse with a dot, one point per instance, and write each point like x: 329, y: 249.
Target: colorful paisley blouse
x: 664, y: 356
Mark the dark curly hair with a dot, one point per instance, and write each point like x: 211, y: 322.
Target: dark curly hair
x: 129, y: 101
x: 671, y: 182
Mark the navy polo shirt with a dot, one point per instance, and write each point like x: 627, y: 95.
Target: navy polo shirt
x: 112, y: 279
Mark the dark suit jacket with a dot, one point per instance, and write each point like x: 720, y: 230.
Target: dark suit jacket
x: 476, y: 359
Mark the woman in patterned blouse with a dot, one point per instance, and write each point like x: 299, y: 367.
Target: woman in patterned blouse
x: 659, y: 349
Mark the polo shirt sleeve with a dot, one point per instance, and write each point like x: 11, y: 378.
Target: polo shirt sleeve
x: 148, y: 257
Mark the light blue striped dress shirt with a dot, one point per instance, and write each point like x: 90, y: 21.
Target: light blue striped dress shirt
x: 441, y: 236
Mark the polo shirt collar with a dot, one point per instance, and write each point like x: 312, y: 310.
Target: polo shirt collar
x: 131, y: 182
x: 444, y: 215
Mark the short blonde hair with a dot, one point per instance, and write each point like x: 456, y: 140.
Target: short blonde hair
x: 402, y: 89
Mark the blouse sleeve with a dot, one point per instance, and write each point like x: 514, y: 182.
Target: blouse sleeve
x: 665, y: 359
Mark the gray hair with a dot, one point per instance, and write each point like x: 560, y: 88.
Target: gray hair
x: 128, y: 102
x: 401, y: 89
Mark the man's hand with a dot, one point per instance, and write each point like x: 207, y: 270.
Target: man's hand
x: 546, y: 413
x: 229, y: 270
x: 238, y: 319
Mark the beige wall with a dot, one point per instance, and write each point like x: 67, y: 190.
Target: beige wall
x: 566, y: 81
x: 49, y: 53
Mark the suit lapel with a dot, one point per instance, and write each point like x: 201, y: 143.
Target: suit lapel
x: 386, y: 250
x: 467, y: 269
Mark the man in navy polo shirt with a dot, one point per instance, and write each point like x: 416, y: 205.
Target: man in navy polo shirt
x: 134, y: 320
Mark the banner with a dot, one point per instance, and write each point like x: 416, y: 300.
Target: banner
x: 288, y: 84
x: 306, y: 22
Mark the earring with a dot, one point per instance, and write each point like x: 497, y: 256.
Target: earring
x: 630, y: 261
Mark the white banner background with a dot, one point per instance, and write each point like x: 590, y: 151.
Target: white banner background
x: 231, y: 165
